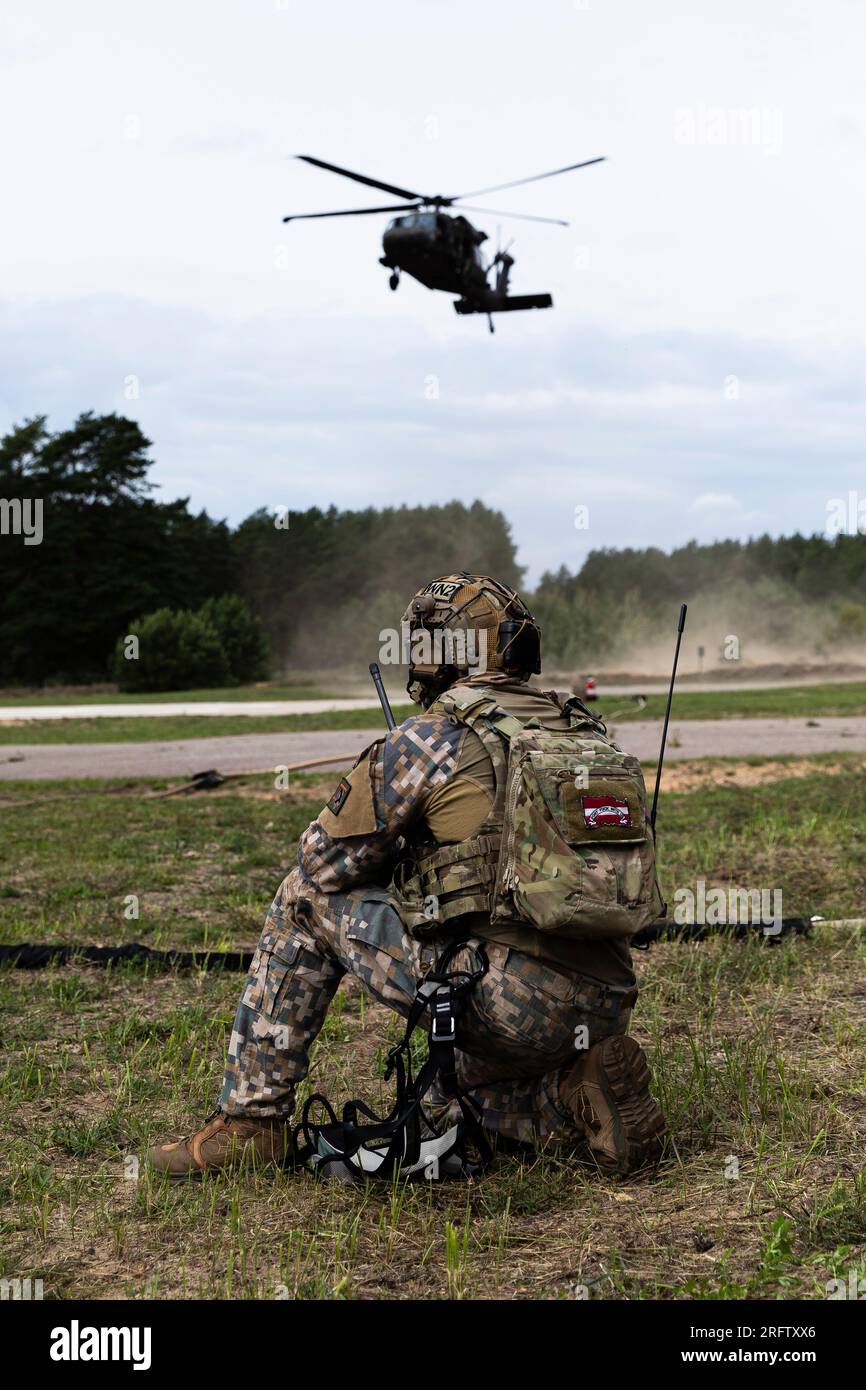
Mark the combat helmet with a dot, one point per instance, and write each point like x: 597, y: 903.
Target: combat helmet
x: 465, y: 624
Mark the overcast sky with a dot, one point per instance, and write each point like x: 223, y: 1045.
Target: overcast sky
x: 701, y: 374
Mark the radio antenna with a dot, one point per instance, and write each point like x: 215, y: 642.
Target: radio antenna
x: 383, y: 698
x: 680, y: 625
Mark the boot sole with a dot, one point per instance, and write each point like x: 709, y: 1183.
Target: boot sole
x: 623, y: 1075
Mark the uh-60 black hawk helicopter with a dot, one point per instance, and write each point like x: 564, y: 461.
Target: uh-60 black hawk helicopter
x: 442, y: 250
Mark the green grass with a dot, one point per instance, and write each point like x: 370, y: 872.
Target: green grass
x: 303, y: 689
x: 807, y: 702
x: 72, y: 855
x: 801, y: 701
x: 171, y: 727
x: 759, y: 1054
x: 71, y: 852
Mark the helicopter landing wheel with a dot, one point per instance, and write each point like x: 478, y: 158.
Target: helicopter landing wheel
x: 393, y: 280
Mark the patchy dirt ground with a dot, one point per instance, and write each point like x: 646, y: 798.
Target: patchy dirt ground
x: 696, y: 773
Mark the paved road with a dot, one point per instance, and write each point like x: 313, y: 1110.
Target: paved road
x: 179, y: 757
x: 144, y: 709
x: 689, y: 738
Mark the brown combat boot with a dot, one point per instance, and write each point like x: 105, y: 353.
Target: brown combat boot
x: 222, y: 1142
x: 608, y: 1094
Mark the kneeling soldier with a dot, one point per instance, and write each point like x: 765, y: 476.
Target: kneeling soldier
x: 501, y: 816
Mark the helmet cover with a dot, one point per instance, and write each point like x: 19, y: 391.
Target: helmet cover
x: 463, y: 625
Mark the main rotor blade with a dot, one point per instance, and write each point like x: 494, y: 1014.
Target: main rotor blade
x: 497, y: 188
x: 523, y: 216
x: 348, y: 212
x: 359, y: 178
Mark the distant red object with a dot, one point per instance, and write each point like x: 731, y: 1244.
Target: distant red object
x: 589, y: 690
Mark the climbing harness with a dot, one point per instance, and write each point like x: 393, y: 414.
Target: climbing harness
x: 406, y: 1141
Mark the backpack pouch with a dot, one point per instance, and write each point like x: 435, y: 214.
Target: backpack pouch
x: 577, y: 853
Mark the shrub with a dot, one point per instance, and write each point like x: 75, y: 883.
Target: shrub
x: 176, y: 651
x: 241, y: 636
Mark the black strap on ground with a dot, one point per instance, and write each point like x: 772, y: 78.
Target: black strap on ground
x: 698, y: 931
x: 29, y: 956
x: 34, y: 957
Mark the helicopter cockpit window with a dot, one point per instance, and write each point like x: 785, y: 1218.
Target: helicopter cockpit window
x: 413, y: 221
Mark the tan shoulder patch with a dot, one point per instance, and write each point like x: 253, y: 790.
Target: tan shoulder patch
x: 351, y: 810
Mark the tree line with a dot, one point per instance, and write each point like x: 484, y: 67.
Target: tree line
x: 813, y: 567
x: 111, y: 563
x: 803, y: 595
x: 89, y: 559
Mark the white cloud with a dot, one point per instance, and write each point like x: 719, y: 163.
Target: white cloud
x: 716, y: 502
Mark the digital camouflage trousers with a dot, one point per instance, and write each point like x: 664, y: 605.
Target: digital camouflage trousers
x: 523, y: 1025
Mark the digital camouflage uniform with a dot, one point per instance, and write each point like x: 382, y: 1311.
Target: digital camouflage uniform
x: 527, y: 1020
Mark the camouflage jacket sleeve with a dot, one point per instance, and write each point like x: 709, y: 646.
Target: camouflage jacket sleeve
x: 354, y: 840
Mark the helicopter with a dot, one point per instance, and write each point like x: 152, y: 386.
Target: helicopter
x: 443, y: 250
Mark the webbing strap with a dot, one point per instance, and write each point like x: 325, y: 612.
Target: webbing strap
x: 507, y: 725
x: 444, y: 992
x: 483, y: 846
x: 481, y: 711
x: 463, y: 698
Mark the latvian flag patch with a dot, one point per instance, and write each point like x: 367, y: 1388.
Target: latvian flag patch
x: 605, y: 810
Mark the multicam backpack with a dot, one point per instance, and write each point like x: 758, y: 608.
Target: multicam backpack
x: 567, y: 846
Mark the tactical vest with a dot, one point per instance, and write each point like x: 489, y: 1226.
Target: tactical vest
x: 566, y: 847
